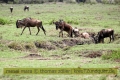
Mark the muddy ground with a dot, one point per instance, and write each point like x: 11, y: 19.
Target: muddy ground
x: 64, y: 44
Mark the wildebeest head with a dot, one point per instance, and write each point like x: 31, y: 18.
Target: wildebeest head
x: 95, y: 39
x: 59, y: 24
x: 19, y: 24
x: 56, y: 24
x: 98, y: 37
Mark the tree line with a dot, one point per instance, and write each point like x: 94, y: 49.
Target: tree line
x: 70, y: 1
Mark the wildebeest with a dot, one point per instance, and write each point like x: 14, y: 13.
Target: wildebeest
x: 104, y: 33
x: 11, y: 9
x: 63, y: 26
x: 30, y: 22
x: 26, y: 7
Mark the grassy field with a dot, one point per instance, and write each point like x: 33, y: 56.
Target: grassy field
x: 20, y: 51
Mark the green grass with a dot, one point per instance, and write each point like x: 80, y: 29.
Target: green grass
x: 113, y: 56
x: 92, y: 18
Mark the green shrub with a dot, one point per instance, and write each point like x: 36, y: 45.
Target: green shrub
x: 51, y: 22
x: 73, y: 22
x: 3, y: 21
x: 112, y: 56
x: 117, y: 1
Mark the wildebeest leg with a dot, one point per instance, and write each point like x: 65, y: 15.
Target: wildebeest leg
x: 43, y: 30
x: 38, y: 30
x: 60, y: 33
x: 23, y: 30
x: 102, y: 40
x: 110, y: 38
x: 113, y: 37
x: 70, y: 34
x: 29, y: 30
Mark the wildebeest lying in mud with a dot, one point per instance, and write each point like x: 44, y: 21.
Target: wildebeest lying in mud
x: 30, y: 22
x: 104, y: 33
x: 63, y: 26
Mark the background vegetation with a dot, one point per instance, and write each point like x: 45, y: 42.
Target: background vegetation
x: 67, y: 1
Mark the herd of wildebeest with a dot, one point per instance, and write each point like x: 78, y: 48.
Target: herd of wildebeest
x: 63, y: 26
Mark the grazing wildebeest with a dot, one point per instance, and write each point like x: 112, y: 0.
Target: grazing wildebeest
x: 30, y: 22
x: 104, y: 33
x: 63, y: 26
x: 11, y: 9
x: 26, y: 7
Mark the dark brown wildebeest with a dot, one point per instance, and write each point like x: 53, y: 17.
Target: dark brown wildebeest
x: 11, y: 9
x: 104, y: 33
x: 26, y: 7
x: 63, y: 26
x: 30, y: 22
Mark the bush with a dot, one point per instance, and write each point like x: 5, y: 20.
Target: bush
x: 3, y: 21
x: 112, y: 56
x: 117, y: 1
x: 51, y: 22
x: 73, y: 22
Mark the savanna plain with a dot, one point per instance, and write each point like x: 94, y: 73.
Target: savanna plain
x: 52, y: 51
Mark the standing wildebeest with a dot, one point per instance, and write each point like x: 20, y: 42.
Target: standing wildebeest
x: 26, y: 7
x: 103, y: 34
x: 63, y: 26
x: 11, y: 9
x: 30, y: 22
